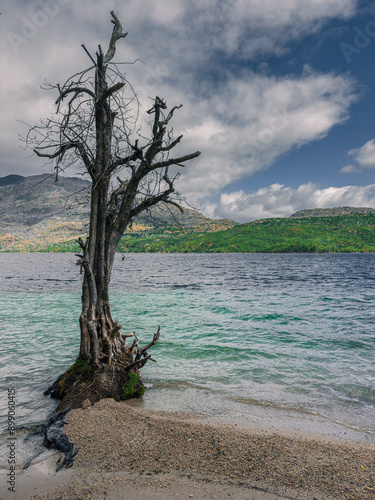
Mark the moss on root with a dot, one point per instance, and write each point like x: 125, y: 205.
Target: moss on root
x: 86, y: 384
x: 79, y: 373
x: 134, y: 387
x: 81, y: 370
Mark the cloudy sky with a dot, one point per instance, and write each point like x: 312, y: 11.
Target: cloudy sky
x: 278, y: 95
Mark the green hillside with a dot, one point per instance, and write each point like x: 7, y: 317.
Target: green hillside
x: 353, y: 233
x: 346, y: 234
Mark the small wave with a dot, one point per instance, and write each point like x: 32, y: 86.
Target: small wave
x: 300, y: 409
x: 186, y: 287
x: 357, y: 393
x: 269, y: 317
x: 279, y: 406
x: 56, y: 280
x: 30, y: 439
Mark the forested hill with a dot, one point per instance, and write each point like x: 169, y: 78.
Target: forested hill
x: 345, y: 233
x: 39, y: 214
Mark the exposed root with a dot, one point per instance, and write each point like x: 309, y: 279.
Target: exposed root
x: 85, y: 383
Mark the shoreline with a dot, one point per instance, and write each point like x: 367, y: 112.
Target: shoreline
x: 128, y: 451
x: 250, y: 414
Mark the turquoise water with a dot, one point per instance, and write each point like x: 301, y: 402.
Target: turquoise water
x: 291, y: 331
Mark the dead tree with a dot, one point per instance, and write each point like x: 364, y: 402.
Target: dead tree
x: 94, y: 126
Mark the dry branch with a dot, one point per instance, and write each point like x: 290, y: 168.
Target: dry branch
x: 116, y: 35
x: 154, y: 340
x: 77, y: 91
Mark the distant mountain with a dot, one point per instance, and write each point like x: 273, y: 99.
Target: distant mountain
x: 10, y: 179
x: 33, y: 199
x: 333, y: 212
x: 36, y: 212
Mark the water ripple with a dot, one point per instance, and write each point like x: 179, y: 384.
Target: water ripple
x: 293, y: 330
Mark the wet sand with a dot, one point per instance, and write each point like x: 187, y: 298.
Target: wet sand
x: 131, y: 452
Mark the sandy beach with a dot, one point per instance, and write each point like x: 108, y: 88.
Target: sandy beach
x: 130, y: 452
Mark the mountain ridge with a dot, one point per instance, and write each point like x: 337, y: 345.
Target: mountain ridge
x: 39, y: 214
x: 10, y: 179
x: 333, y: 212
x: 37, y: 209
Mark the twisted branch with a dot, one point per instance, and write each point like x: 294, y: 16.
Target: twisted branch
x: 116, y: 35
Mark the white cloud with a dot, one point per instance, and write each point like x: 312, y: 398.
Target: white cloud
x: 266, y: 26
x: 250, y: 121
x: 281, y: 201
x: 350, y: 169
x: 190, y: 31
x: 247, y: 28
x: 365, y: 156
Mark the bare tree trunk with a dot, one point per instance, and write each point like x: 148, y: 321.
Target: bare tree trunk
x: 106, y: 362
x: 85, y: 349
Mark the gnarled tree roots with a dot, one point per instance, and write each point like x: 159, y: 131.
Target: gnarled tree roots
x: 84, y: 384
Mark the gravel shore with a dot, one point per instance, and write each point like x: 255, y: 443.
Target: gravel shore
x: 128, y: 452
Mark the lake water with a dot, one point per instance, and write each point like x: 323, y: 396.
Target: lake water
x: 291, y: 333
